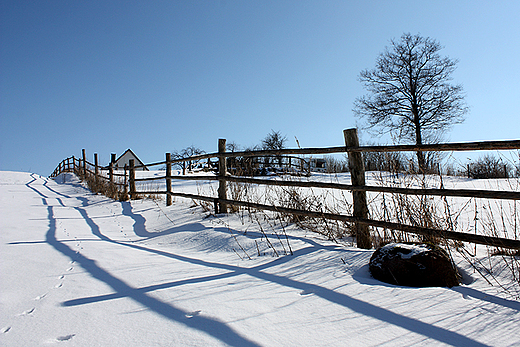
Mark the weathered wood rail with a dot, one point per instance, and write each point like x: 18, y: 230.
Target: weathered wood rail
x: 360, y: 219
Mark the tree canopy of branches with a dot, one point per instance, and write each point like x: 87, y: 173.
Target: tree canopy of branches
x: 409, y: 94
x: 274, y: 141
x: 186, y: 153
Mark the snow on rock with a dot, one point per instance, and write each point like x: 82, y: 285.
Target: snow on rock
x: 416, y: 265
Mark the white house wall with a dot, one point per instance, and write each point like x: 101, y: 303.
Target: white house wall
x: 125, y: 160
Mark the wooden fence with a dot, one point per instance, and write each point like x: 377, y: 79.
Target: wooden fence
x: 100, y: 174
x: 359, y: 218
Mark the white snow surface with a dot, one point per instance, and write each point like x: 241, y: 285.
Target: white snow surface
x: 413, y: 249
x: 80, y: 269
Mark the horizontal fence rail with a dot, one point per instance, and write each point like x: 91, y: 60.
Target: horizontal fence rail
x: 447, y: 147
x: 468, y: 193
x: 359, y: 219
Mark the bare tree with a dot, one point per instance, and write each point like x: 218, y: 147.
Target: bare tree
x: 233, y: 162
x: 186, y: 153
x: 409, y: 93
x: 274, y: 141
x: 233, y: 147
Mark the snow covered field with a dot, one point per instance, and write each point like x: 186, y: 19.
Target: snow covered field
x: 83, y: 270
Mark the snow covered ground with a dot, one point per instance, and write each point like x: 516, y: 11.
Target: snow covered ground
x: 83, y: 270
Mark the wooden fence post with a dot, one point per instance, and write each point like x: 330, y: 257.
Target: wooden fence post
x: 96, y: 168
x: 215, y: 205
x: 132, y: 179
x: 221, y: 174
x: 111, y: 167
x: 84, y: 163
x: 125, y: 185
x: 111, y: 172
x: 168, y: 179
x: 357, y: 173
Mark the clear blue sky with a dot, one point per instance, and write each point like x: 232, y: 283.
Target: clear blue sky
x: 156, y: 76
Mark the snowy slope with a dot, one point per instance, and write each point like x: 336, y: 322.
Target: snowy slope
x: 80, y: 269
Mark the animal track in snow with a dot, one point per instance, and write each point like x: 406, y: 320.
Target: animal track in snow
x: 70, y: 268
x: 28, y: 312
x: 192, y: 314
x: 40, y: 297
x: 306, y: 292
x: 65, y: 337
x: 5, y: 330
x: 59, y: 285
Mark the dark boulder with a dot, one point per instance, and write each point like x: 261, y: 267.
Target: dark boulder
x: 413, y: 265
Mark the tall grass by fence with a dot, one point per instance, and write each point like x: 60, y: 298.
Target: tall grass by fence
x: 359, y: 218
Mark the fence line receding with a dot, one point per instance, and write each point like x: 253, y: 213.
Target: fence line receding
x: 127, y: 182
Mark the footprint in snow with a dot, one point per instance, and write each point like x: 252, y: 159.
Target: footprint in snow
x: 28, y: 312
x: 5, y: 330
x: 59, y: 285
x: 192, y: 314
x: 306, y: 292
x: 70, y: 268
x: 65, y: 338
x: 40, y: 297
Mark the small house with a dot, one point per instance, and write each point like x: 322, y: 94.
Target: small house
x: 124, y: 159
x: 318, y: 164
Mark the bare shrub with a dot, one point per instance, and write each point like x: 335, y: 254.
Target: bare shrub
x: 101, y: 185
x: 490, y: 166
x: 307, y: 200
x: 393, y: 162
x: 422, y: 211
x: 336, y: 165
x: 205, y: 205
x: 240, y: 192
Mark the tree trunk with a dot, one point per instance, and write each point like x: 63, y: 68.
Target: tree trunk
x: 418, y: 141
